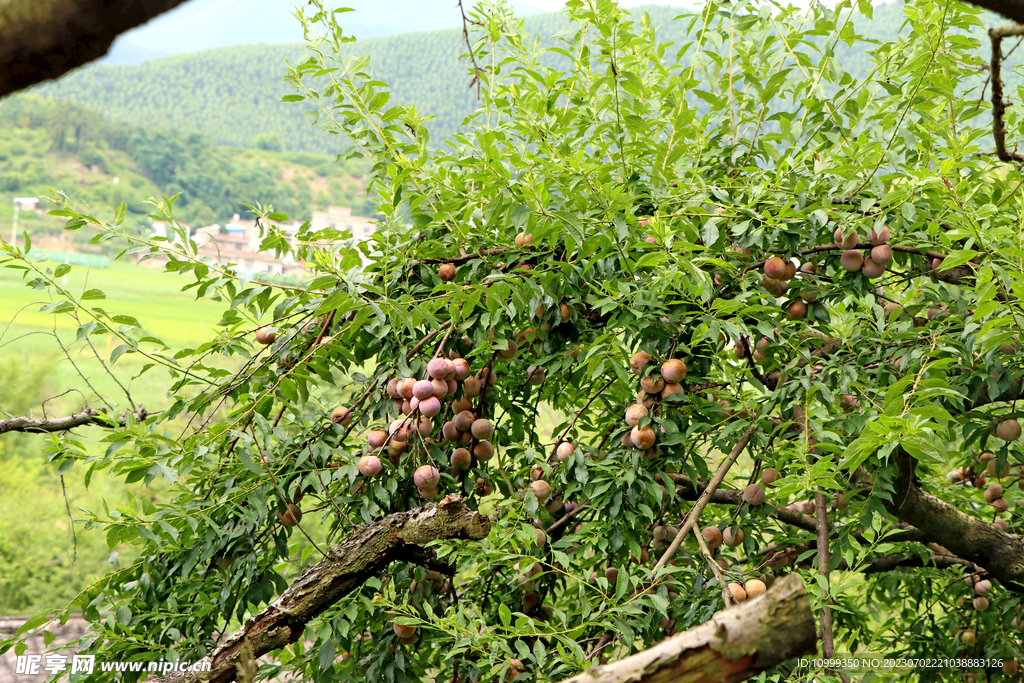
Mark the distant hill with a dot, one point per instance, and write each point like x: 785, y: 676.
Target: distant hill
x: 232, y: 95
x: 101, y: 162
x: 209, y: 24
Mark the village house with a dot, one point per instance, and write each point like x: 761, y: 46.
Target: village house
x: 238, y: 241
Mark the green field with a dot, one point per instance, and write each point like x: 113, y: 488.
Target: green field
x: 146, y: 293
x: 34, y: 369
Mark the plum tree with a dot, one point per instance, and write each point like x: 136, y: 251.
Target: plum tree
x: 629, y: 350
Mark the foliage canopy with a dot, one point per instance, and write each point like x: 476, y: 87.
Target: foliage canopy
x: 655, y: 192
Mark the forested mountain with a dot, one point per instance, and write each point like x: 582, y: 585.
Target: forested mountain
x: 46, y: 144
x: 232, y: 95
x: 209, y: 24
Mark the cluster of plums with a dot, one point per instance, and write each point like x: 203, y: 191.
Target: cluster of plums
x: 778, y: 271
x: 662, y: 383
x: 994, y: 491
x: 872, y: 264
x: 420, y: 400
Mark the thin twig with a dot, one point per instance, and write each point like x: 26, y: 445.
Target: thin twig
x: 584, y: 409
x: 80, y: 374
x: 715, y: 569
x: 104, y: 366
x: 477, y: 71
x: 466, y: 258
x: 705, y: 497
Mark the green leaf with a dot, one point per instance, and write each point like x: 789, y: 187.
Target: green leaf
x: 573, y: 225
x: 118, y: 352
x: 505, y: 614
x: 247, y: 462
x: 957, y: 258
x: 58, y: 307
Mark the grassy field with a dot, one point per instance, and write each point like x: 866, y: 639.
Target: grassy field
x: 146, y: 293
x: 32, y: 370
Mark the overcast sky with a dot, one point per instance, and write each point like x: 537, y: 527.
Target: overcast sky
x: 554, y: 5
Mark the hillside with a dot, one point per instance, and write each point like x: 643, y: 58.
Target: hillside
x: 232, y: 95
x: 210, y: 24
x: 46, y: 144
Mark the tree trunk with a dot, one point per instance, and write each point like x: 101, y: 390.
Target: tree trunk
x: 735, y: 645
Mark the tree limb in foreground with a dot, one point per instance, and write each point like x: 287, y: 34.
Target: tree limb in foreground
x: 736, y: 644
x: 44, y: 39
x: 1011, y: 9
x: 398, y: 537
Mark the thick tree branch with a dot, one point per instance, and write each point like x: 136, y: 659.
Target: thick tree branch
x: 890, y: 563
x: 88, y: 416
x: 980, y: 396
x: 688, y: 491
x: 1011, y: 9
x: 44, y: 39
x: 1002, y: 554
x: 996, y: 35
x: 737, y: 644
x: 398, y: 537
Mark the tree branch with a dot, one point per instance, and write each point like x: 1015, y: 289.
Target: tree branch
x: 705, y: 496
x: 996, y: 35
x: 888, y: 563
x: 44, y: 39
x: 734, y: 645
x: 1000, y: 553
x: 398, y: 537
x: 1011, y: 9
x: 687, y: 490
x: 87, y: 416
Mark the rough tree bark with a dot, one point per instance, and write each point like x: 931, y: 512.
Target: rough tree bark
x: 998, y: 552
x: 736, y: 644
x: 44, y: 39
x: 398, y: 537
